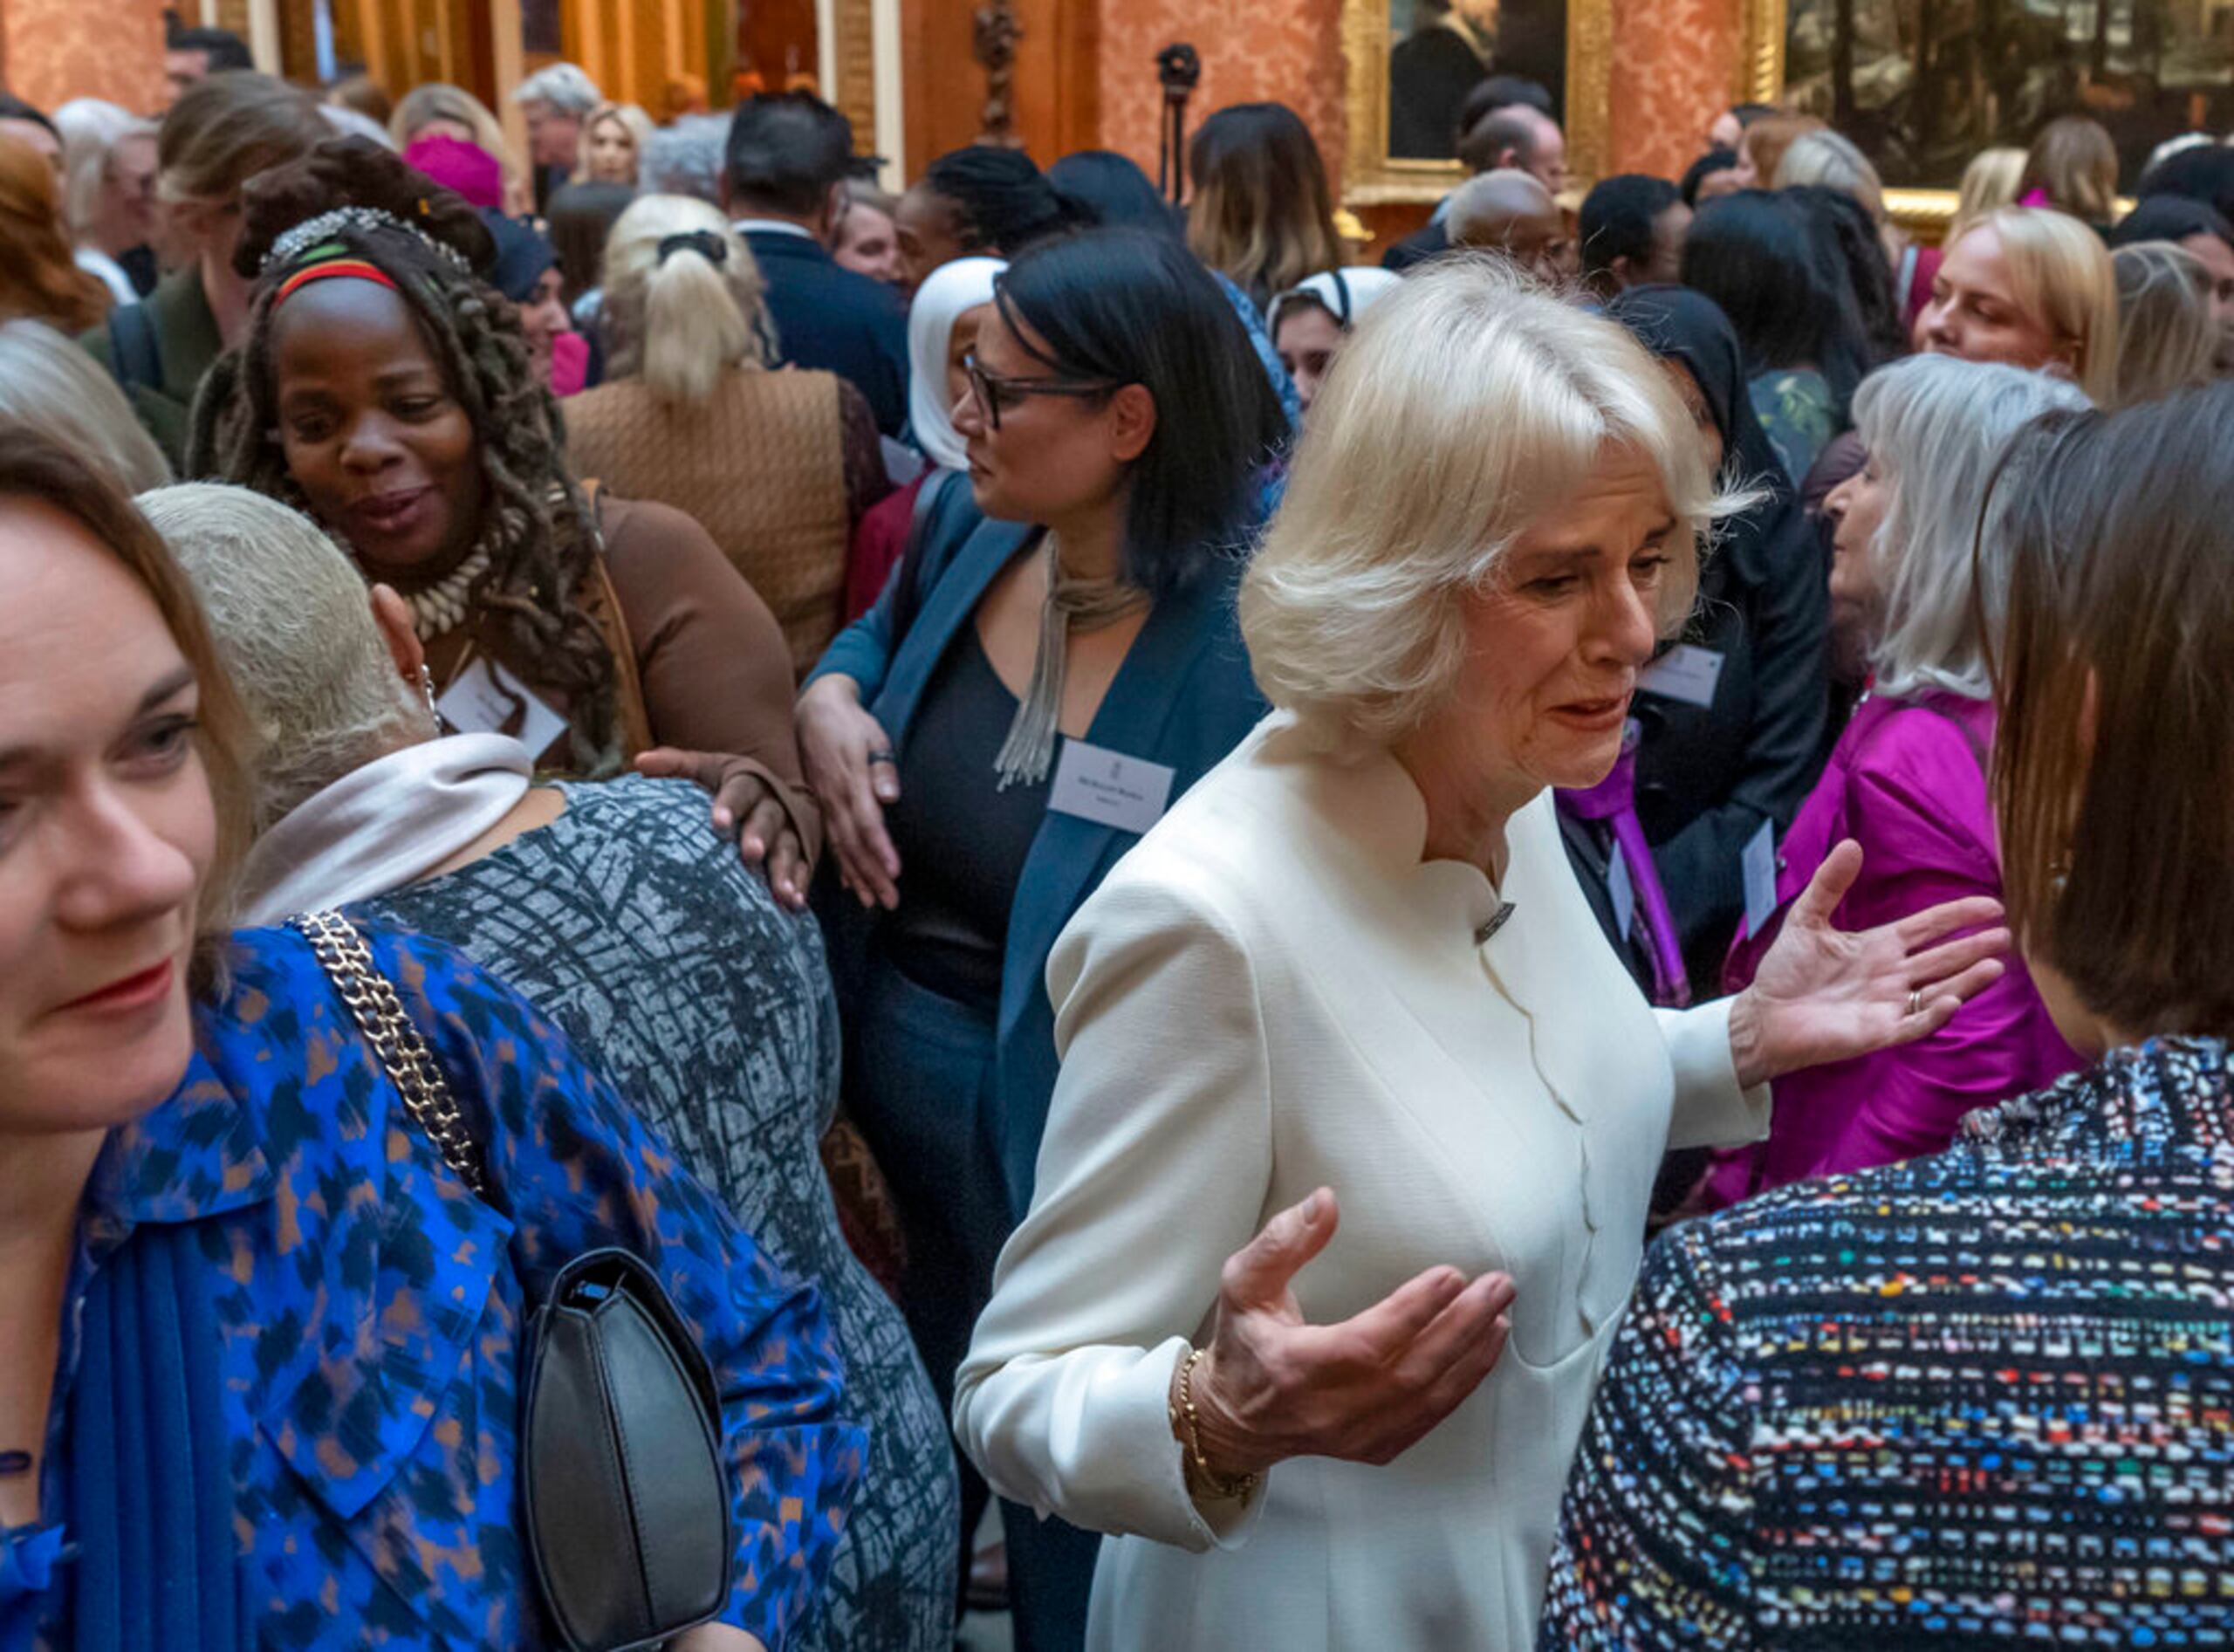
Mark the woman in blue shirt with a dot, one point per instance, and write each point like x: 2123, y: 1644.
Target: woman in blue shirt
x: 259, y: 1346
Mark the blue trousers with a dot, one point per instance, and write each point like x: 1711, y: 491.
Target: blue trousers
x: 918, y: 1083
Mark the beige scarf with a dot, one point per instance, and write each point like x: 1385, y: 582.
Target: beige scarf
x: 1088, y: 604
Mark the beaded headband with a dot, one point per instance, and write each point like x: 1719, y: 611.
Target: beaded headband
x: 307, y: 234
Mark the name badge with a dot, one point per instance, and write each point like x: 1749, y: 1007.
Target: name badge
x: 1686, y: 672
x: 1109, y: 788
x: 1623, y: 889
x: 487, y: 699
x: 1759, y: 862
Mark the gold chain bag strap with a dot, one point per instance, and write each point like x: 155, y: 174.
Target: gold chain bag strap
x: 623, y: 1483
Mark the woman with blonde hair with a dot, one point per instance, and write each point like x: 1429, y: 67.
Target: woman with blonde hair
x: 1353, y: 963
x: 2073, y: 166
x: 613, y: 144
x: 778, y: 467
x: 454, y: 111
x: 2167, y: 337
x: 39, y: 277
x: 1262, y: 213
x: 1989, y: 182
x: 2032, y: 288
x: 48, y: 383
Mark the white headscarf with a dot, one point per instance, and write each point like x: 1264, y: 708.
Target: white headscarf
x: 1347, y: 294
x: 949, y: 290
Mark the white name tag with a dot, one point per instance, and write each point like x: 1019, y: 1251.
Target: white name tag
x: 1759, y: 862
x: 1109, y: 788
x: 487, y: 699
x: 1685, y: 673
x: 1623, y: 889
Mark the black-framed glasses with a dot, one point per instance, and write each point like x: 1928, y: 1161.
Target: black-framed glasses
x: 993, y: 391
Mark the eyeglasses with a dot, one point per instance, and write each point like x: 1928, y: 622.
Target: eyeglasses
x: 994, y: 392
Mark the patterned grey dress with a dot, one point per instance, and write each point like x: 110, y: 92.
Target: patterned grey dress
x: 670, y: 965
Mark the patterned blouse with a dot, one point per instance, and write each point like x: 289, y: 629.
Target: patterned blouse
x: 1981, y: 1398
x: 372, y: 1310
x: 674, y: 971
x: 1797, y: 409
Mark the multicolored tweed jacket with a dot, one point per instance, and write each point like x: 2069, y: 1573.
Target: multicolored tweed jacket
x: 371, y: 1311
x: 1985, y: 1398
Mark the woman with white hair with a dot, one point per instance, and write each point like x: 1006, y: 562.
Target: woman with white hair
x: 1350, y: 972
x: 108, y: 193
x: 778, y: 467
x: 1907, y: 778
x: 50, y: 384
x: 670, y: 966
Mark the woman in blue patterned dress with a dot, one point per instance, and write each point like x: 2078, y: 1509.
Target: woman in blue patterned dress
x: 670, y: 964
x: 258, y: 1345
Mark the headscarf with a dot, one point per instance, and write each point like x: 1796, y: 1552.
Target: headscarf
x: 1676, y: 323
x: 522, y: 254
x: 1346, y: 294
x: 466, y: 168
x: 940, y: 302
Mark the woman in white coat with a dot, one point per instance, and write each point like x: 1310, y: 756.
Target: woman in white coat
x: 1352, y: 964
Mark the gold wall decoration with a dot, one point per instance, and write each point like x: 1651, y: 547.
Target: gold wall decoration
x: 1371, y: 177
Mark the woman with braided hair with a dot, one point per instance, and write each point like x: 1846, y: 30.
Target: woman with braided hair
x: 385, y: 387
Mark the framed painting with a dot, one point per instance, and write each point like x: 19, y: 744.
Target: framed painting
x: 1412, y: 63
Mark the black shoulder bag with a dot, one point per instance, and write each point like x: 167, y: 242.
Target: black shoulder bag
x: 622, y: 1478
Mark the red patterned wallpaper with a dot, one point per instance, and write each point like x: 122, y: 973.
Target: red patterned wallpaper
x: 1286, y: 50
x: 1673, y: 61
x: 52, y: 50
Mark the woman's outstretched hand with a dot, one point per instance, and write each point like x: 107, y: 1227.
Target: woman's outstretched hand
x: 1271, y: 1387
x: 746, y: 808
x: 1826, y: 994
x: 855, y: 775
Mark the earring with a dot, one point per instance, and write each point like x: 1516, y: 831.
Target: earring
x: 427, y: 688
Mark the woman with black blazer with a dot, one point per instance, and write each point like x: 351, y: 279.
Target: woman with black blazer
x: 1053, y: 664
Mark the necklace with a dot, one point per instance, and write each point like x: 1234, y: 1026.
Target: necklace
x: 441, y: 606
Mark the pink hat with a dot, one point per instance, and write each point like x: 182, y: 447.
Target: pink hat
x: 467, y: 168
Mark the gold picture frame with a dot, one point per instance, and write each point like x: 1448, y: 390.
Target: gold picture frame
x: 1763, y: 27
x: 1371, y: 177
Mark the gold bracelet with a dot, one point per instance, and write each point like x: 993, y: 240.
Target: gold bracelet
x: 1184, y: 1425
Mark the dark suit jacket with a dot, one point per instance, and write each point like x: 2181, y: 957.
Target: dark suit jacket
x: 1183, y: 697
x: 1431, y: 240
x: 186, y: 344
x: 828, y: 317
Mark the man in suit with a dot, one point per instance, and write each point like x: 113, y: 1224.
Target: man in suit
x: 783, y: 183
x: 1517, y: 137
x: 555, y: 100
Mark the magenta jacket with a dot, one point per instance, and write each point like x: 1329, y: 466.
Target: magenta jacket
x: 1908, y: 782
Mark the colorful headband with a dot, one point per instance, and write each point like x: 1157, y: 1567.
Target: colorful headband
x: 343, y: 264
x: 286, y: 248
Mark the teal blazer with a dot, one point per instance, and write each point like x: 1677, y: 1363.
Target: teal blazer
x: 1184, y: 698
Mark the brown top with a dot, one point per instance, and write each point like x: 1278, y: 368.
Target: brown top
x: 772, y: 464
x: 704, y: 666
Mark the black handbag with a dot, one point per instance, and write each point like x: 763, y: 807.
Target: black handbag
x: 622, y: 1480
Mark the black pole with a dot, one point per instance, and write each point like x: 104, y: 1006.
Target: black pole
x: 1179, y: 71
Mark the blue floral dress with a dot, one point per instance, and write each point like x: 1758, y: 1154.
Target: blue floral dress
x: 371, y: 1311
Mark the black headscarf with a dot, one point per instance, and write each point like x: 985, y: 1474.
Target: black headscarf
x: 1708, y: 777
x: 1676, y: 323
x: 522, y: 254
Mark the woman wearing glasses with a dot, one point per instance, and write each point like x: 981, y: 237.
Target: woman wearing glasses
x: 1053, y: 663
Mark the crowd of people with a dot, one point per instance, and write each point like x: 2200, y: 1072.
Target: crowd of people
x: 1515, y: 947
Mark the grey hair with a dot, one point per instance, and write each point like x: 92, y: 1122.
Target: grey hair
x: 2168, y: 340
x: 685, y: 158
x: 562, y: 85
x: 1937, y: 427
x: 46, y: 380
x: 91, y: 129
x: 1467, y: 403
x: 293, y: 623
x: 682, y: 320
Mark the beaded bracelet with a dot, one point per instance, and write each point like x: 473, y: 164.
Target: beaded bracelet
x: 1184, y: 1426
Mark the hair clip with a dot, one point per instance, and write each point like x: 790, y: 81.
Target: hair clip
x: 704, y: 242
x: 292, y: 243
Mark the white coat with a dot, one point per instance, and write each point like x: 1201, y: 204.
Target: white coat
x: 1272, y: 992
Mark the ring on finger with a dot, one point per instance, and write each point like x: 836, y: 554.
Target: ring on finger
x: 1916, y: 1001
x: 885, y: 756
